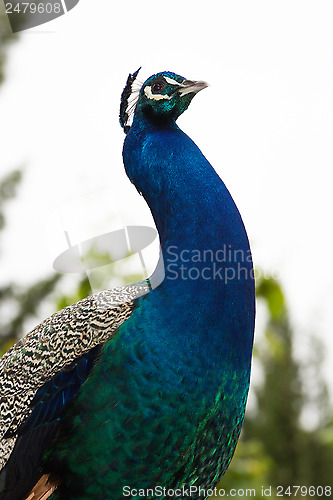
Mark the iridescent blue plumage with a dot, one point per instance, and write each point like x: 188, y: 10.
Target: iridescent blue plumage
x: 164, y: 402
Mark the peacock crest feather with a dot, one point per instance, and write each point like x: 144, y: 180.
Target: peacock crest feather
x: 129, y: 98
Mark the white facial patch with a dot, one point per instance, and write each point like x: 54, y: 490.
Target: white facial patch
x: 172, y: 81
x: 156, y: 97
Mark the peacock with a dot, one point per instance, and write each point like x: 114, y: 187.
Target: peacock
x: 140, y: 391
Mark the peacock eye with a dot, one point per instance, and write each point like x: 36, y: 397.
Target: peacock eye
x: 157, y: 87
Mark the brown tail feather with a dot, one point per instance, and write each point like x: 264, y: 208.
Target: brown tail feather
x: 43, y: 489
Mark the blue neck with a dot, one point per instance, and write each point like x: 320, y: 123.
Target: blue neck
x: 206, y: 253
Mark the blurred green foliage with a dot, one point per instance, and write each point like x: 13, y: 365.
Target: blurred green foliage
x: 18, y: 303
x: 8, y: 187
x: 6, y: 37
x: 275, y: 450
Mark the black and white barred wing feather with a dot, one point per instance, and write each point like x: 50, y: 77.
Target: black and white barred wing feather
x: 52, y: 346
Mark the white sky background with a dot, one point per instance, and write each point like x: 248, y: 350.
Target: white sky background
x: 265, y: 123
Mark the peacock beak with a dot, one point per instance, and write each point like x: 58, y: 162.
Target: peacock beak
x: 188, y: 86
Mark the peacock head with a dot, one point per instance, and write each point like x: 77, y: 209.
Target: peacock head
x: 162, y: 98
